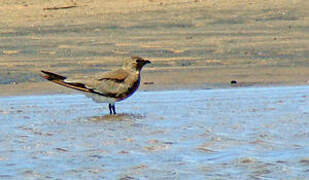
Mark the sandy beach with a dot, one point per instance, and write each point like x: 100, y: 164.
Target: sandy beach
x: 187, y: 121
x: 192, y: 44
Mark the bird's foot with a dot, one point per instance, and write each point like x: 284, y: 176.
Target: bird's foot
x: 112, y: 109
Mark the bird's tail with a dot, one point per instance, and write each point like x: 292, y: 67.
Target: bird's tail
x: 52, y: 76
x: 58, y: 79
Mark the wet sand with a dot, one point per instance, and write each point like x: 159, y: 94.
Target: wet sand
x: 239, y: 133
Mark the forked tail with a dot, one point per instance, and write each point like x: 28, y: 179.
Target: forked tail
x: 52, y: 76
x: 58, y: 79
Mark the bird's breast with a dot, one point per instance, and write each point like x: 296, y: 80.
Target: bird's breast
x: 131, y: 89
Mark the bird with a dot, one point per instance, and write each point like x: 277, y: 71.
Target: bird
x: 107, y: 87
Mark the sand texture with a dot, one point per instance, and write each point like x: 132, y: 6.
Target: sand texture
x: 192, y: 43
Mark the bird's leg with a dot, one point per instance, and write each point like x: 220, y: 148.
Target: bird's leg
x: 112, y: 108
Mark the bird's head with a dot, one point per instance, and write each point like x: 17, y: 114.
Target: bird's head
x: 135, y: 63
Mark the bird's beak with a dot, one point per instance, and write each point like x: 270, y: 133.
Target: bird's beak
x: 147, y: 62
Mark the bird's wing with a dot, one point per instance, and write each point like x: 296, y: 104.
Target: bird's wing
x: 108, y: 84
x: 118, y: 75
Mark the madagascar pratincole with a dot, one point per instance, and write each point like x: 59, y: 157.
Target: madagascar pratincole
x: 108, y: 87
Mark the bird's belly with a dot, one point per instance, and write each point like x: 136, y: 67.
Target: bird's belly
x: 100, y: 99
x: 112, y: 98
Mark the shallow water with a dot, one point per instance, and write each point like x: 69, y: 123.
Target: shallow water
x: 239, y: 133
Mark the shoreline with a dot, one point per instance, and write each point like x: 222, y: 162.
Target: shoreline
x: 48, y: 88
x: 157, y: 79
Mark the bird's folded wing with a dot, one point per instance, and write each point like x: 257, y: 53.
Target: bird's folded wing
x: 118, y: 75
x: 108, y: 84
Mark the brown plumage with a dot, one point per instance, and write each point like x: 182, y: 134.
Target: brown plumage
x: 108, y: 87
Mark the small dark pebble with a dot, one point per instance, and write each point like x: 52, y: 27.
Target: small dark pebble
x: 61, y: 149
x: 148, y: 83
x: 233, y: 82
